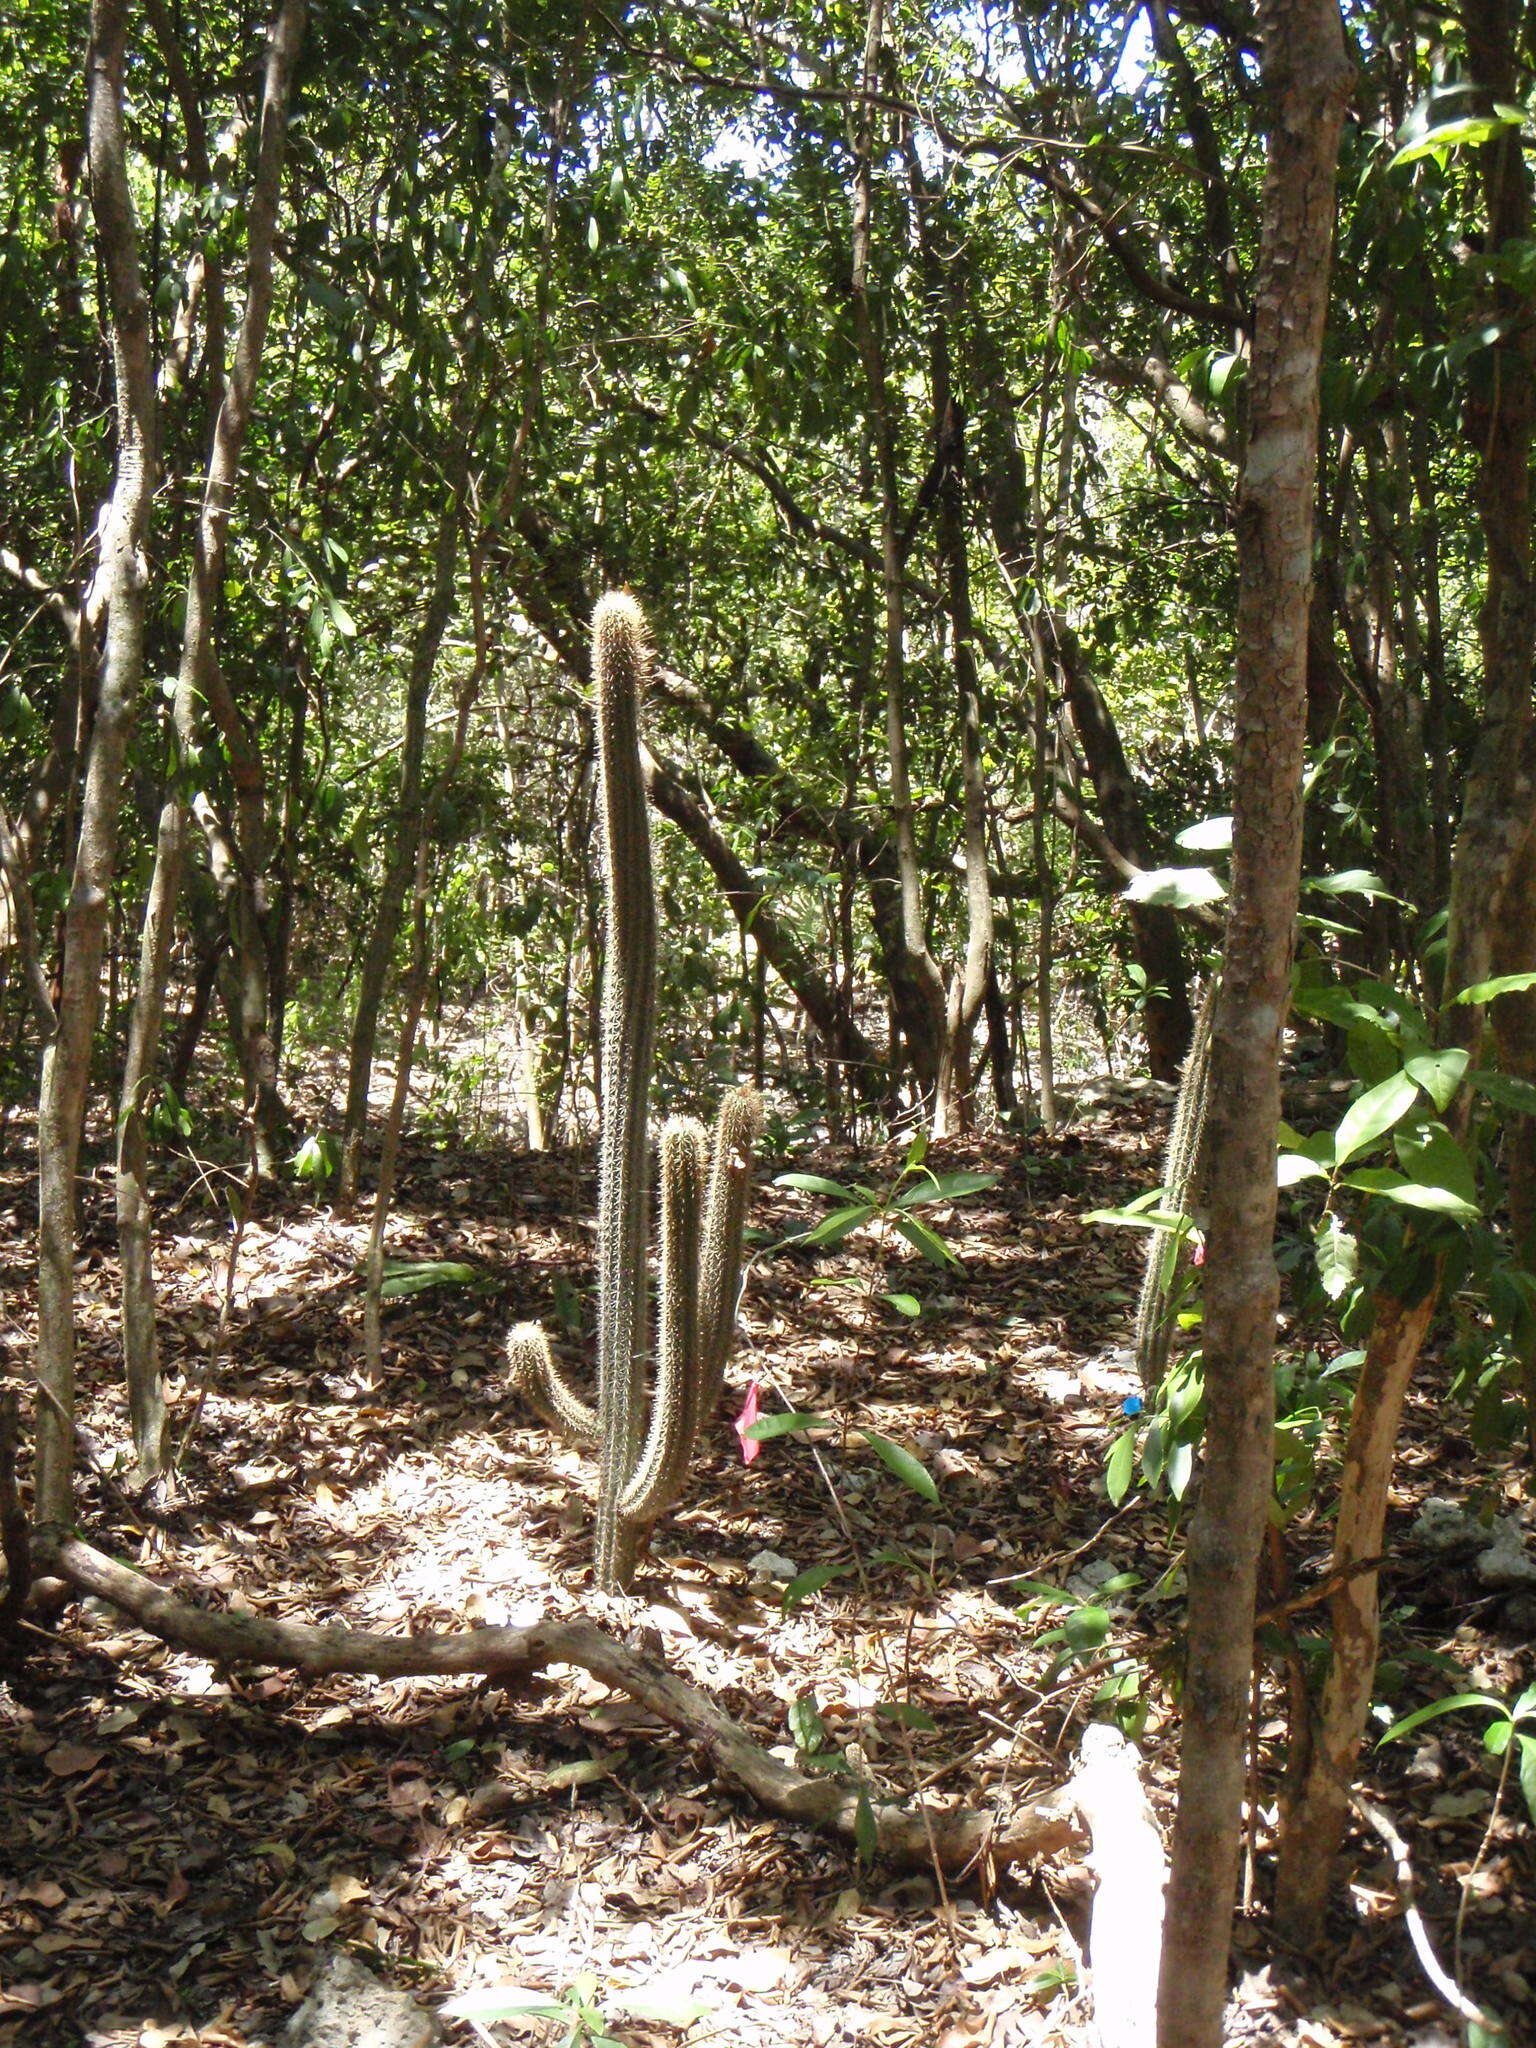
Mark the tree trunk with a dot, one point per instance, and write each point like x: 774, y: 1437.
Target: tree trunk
x: 405, y: 823
x: 1155, y: 939
x: 119, y: 594
x: 146, y: 1396
x: 917, y: 987
x: 1315, y: 1823
x: 1306, y: 75
x: 1495, y: 827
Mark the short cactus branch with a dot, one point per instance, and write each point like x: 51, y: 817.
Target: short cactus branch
x: 537, y: 1378
x: 645, y: 1436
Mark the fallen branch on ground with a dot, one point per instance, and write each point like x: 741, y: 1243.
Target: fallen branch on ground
x: 910, y: 1835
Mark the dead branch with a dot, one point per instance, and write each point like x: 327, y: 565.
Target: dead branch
x: 958, y: 1838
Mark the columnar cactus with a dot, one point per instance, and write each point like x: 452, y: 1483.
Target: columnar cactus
x: 705, y: 1185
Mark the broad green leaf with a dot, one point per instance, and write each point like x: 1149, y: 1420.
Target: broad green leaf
x: 1086, y: 1629
x: 904, y: 1304
x: 1292, y: 1167
x: 1211, y: 835
x: 911, y: 1470
x: 944, y: 1187
x: 586, y: 1770
x: 840, y: 1224
x: 811, y: 1582
x: 1439, y: 1074
x: 767, y: 1427
x: 415, y: 1276
x: 1501, y: 985
x: 1528, y: 1773
x: 1133, y: 1218
x: 1469, y: 132
x: 1435, y: 1709
x: 917, y: 1151
x: 1351, y: 882
x: 814, y: 1184
x: 1117, y: 1473
x: 806, y: 1725
x: 1174, y: 888
x: 908, y: 1716
x: 1431, y: 1158
x: 1439, y: 1201
x: 1507, y: 1090
x: 504, y: 2002
x: 1338, y: 1258
x: 667, y: 2008
x: 1373, y: 1114
x: 922, y: 1239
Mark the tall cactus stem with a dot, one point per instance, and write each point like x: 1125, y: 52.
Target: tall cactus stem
x: 621, y: 663
x: 663, y: 1467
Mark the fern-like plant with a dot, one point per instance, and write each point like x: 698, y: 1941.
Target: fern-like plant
x: 644, y: 1428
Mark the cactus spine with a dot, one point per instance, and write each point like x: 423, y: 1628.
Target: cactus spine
x: 1183, y: 1177
x: 644, y: 1449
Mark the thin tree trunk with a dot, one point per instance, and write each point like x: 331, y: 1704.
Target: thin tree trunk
x: 120, y: 594
x: 1315, y: 1823
x: 146, y: 1394
x: 1495, y: 828
x: 917, y: 987
x: 968, y: 986
x: 405, y: 824
x: 1306, y: 74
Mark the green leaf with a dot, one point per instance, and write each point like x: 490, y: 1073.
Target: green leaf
x: 1439, y: 1074
x: 1087, y: 1629
x: 866, y: 1830
x: 1351, y: 882
x: 1527, y: 1768
x: 504, y: 2002
x: 1373, y: 1114
x: 908, y: 1716
x: 917, y: 1150
x: 1292, y: 1167
x: 666, y: 2008
x: 922, y: 1239
x: 909, y: 1469
x: 1211, y: 835
x: 767, y: 1427
x: 1438, y: 1201
x: 904, y: 1304
x: 834, y: 1228
x: 814, y: 1184
x: 1174, y: 888
x: 1469, y: 132
x: 586, y: 1770
x: 806, y: 1726
x: 1338, y: 1258
x: 1507, y: 1090
x: 415, y: 1276
x: 1501, y: 985
x: 944, y: 1187
x: 1122, y: 1461
x: 1436, y: 1708
x: 811, y: 1582
x: 1431, y: 1157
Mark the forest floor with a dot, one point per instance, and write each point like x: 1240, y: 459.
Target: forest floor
x: 179, y: 1845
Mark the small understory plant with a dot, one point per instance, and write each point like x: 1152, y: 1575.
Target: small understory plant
x: 644, y: 1436
x: 888, y: 1209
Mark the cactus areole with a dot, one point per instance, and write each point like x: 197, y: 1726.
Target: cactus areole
x: 646, y: 1421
